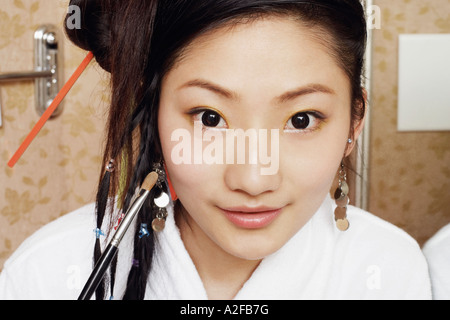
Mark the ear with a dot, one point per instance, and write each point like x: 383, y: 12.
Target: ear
x: 358, y: 125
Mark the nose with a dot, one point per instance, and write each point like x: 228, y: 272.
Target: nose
x: 248, y: 178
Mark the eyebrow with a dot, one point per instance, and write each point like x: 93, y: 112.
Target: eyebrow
x: 288, y: 96
x: 305, y: 90
x: 204, y: 84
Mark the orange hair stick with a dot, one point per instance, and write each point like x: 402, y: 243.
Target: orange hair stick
x: 51, y: 109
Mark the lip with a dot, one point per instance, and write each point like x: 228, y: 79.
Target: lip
x: 252, y: 218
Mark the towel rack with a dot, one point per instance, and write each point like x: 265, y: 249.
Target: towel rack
x: 47, y: 72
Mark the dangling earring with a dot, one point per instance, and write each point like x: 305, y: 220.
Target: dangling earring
x: 159, y: 223
x: 342, y: 201
x: 161, y: 202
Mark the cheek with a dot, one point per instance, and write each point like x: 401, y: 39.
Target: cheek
x: 310, y: 165
x: 186, y: 180
x: 309, y: 177
x: 190, y: 181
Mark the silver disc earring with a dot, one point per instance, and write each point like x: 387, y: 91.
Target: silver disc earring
x: 159, y: 223
x: 161, y: 202
x: 342, y: 201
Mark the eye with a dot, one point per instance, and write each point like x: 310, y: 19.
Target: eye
x: 305, y: 121
x: 210, y: 118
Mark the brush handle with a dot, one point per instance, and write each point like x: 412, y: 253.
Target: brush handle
x: 129, y: 217
x: 111, y: 251
x: 98, y: 272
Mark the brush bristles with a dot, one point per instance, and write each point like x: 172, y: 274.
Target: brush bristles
x: 150, y: 181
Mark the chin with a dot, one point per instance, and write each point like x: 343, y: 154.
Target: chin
x: 254, y: 247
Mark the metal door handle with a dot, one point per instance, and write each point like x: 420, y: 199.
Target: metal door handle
x: 46, y: 73
x: 28, y: 75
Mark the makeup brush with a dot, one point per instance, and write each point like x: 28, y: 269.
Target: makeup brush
x: 111, y: 250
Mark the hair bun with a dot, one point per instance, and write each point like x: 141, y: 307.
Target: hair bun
x: 94, y: 30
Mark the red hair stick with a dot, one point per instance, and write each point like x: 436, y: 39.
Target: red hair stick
x: 51, y: 109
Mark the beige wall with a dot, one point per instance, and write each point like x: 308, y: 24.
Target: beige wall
x: 59, y: 171
x: 409, y: 172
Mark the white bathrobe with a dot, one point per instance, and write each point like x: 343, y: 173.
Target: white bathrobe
x: 437, y: 253
x: 372, y: 260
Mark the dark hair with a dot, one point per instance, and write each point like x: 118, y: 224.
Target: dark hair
x: 139, y: 41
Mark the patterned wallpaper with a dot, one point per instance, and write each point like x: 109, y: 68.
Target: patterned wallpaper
x: 59, y: 171
x: 409, y: 172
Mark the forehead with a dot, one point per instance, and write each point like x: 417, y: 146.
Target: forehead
x: 270, y: 51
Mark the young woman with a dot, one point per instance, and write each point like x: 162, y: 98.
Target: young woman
x: 248, y: 110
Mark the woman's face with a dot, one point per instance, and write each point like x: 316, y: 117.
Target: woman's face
x: 273, y: 80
